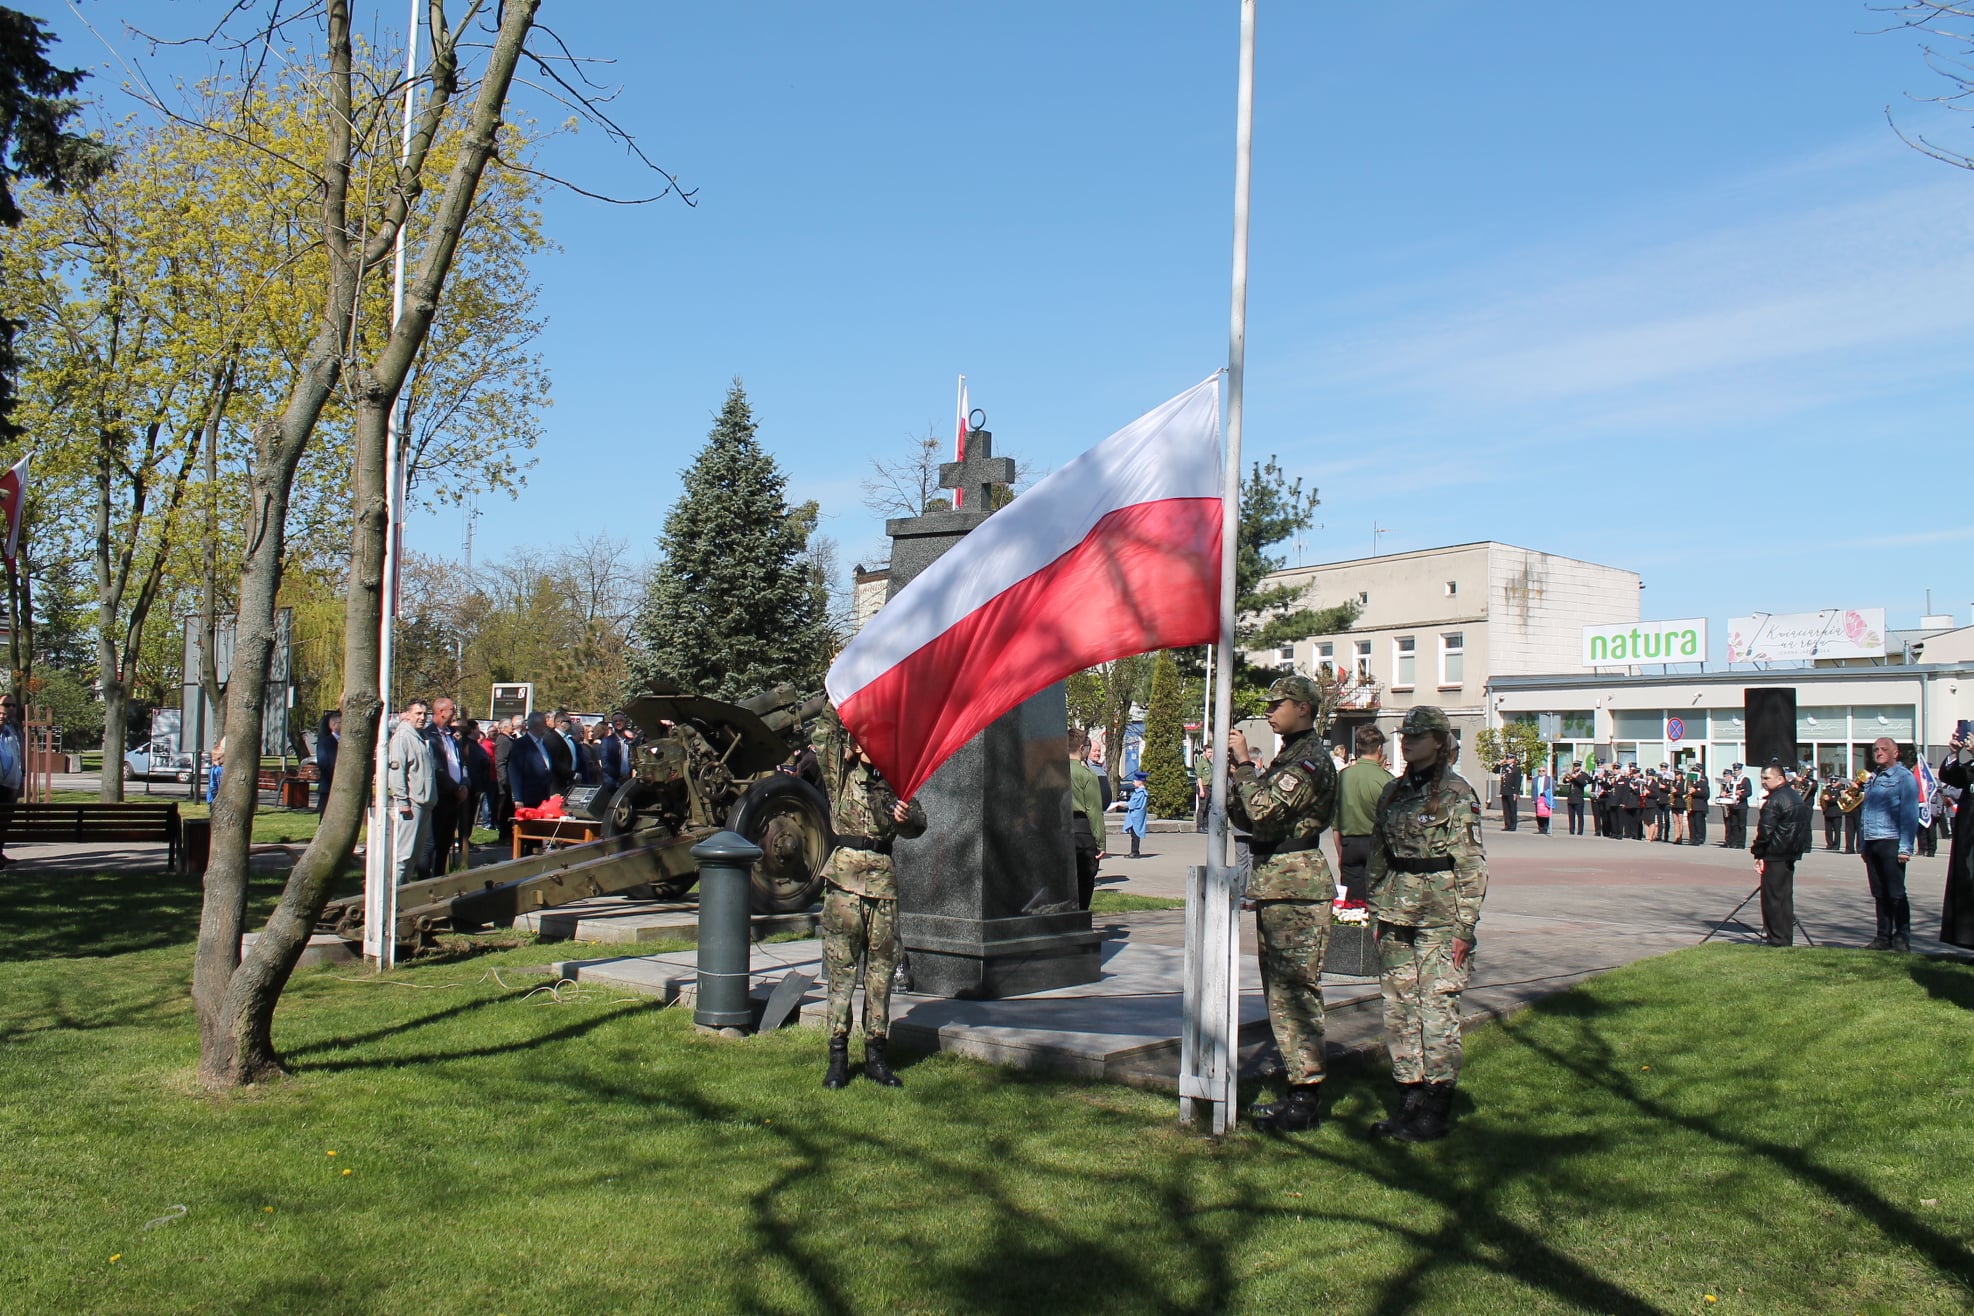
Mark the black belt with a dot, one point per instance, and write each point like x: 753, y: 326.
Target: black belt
x: 1437, y: 864
x: 871, y: 843
x: 1268, y: 850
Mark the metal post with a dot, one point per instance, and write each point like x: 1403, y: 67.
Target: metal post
x: 380, y: 895
x: 1213, y: 995
x: 726, y: 861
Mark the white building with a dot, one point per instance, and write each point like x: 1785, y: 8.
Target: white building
x: 1435, y: 625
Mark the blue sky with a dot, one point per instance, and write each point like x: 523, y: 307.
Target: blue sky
x: 1646, y: 285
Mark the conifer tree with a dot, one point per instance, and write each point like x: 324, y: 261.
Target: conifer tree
x: 731, y: 605
x: 1164, y: 758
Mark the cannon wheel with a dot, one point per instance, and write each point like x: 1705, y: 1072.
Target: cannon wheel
x: 621, y: 817
x: 789, y: 819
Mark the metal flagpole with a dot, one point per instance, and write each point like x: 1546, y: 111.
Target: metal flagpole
x: 1210, y: 1044
x: 380, y: 893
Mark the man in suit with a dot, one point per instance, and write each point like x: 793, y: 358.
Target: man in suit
x: 506, y: 732
x: 450, y: 761
x: 1737, y: 810
x: 411, y: 782
x: 530, y: 767
x: 564, y: 759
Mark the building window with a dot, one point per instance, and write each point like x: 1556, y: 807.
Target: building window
x: 1403, y: 658
x: 1452, y: 588
x: 1286, y: 653
x: 1324, y: 655
x: 1363, y: 597
x: 1452, y: 658
x: 1361, y: 660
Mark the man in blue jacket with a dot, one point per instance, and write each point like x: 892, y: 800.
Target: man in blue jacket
x: 1889, y: 828
x: 530, y: 776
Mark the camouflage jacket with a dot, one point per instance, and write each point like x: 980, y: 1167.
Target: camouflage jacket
x: 1427, y: 866
x: 1285, y: 808
x: 860, y: 803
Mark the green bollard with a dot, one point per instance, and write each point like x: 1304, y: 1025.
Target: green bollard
x: 725, y: 949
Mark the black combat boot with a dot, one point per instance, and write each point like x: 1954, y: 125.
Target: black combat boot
x: 838, y: 1073
x: 876, y: 1068
x: 1434, y: 1119
x: 1410, y: 1094
x: 1296, y: 1113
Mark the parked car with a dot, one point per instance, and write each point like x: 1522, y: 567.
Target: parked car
x: 167, y: 765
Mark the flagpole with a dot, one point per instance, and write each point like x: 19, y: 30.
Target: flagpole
x: 380, y: 896
x: 1213, y: 1014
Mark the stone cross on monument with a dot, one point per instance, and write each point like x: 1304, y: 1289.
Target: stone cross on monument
x: 987, y: 897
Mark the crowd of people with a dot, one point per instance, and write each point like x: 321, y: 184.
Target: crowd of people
x: 448, y: 774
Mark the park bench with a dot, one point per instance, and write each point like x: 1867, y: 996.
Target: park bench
x: 86, y: 824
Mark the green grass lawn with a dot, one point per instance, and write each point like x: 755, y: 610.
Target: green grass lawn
x: 1787, y: 1132
x: 1123, y: 902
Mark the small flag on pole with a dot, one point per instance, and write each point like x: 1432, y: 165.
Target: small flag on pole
x: 13, y: 501
x: 959, y: 440
x: 1929, y: 790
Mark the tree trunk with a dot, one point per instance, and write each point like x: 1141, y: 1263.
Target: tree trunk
x: 235, y: 997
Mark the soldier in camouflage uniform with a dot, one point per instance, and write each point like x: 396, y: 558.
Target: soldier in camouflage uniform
x: 860, y: 903
x: 1428, y: 877
x: 1285, y: 808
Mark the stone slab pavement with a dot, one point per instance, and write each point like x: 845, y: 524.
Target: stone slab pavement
x: 1559, y: 909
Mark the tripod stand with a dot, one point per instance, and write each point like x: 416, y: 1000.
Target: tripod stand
x: 1732, y: 917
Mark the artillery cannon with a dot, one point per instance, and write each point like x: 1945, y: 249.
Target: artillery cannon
x: 704, y: 765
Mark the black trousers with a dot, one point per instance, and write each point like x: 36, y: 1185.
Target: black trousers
x: 1833, y: 828
x: 445, y: 832
x: 1576, y: 817
x: 1665, y: 823
x: 1696, y: 822
x: 1887, y: 877
x: 1737, y: 827
x: 1542, y: 821
x: 1779, y: 901
x: 1354, y: 868
x: 1850, y: 830
x: 1509, y: 812
x: 469, y: 814
x: 1634, y: 824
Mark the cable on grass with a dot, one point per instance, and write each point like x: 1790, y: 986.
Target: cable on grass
x: 177, y: 1211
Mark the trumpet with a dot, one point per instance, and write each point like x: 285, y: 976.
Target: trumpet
x: 1849, y: 798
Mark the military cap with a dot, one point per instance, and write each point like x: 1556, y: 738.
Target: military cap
x: 1298, y: 688
x: 1424, y: 718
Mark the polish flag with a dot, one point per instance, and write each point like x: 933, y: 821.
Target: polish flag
x: 1117, y: 553
x: 959, y: 439
x: 13, y: 501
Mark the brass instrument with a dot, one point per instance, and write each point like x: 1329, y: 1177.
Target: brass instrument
x: 1849, y: 798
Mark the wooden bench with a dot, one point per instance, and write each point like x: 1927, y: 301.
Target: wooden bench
x: 289, y: 789
x: 87, y: 824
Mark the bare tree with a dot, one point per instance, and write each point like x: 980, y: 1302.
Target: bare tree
x: 909, y: 485
x: 1953, y: 24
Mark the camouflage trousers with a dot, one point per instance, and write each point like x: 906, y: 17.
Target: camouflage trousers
x: 1293, y: 935
x: 856, y: 927
x: 1422, y: 987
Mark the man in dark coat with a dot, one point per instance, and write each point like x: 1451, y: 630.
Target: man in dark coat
x: 530, y: 774
x: 450, y: 761
x: 1511, y: 791
x: 1736, y: 800
x: 1696, y: 805
x: 1624, y: 806
x: 1782, y: 836
x: 1957, y: 910
x: 328, y: 740
x: 1574, y: 782
x: 505, y: 734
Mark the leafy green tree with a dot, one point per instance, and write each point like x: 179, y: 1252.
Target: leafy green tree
x: 1273, y: 508
x: 732, y: 605
x: 1517, y: 740
x: 1164, y: 759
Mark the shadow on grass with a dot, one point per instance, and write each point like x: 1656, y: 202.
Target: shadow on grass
x: 566, y: 1033
x: 1946, y: 979
x: 1589, y: 1059
x: 53, y: 915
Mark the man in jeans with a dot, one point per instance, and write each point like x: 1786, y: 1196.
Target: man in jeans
x: 1889, y: 827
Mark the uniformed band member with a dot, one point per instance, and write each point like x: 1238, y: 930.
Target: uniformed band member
x: 860, y: 903
x: 1285, y: 808
x: 1428, y: 877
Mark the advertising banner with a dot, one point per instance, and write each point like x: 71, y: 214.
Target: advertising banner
x: 1777, y: 637
x: 1622, y: 644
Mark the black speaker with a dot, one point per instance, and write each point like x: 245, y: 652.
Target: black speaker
x: 1770, y: 715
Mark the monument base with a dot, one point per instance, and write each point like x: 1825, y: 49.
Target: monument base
x: 983, y: 959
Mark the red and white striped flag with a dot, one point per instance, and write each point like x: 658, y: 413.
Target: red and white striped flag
x: 13, y: 501
x: 1117, y: 553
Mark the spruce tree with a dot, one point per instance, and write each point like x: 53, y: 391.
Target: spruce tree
x: 1164, y: 759
x: 731, y: 607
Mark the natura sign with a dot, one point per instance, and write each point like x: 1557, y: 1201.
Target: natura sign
x: 1621, y: 644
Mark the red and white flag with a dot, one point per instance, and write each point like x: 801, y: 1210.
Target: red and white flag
x: 13, y: 501
x: 1117, y: 553
x: 959, y: 439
